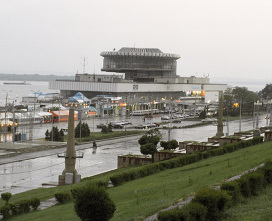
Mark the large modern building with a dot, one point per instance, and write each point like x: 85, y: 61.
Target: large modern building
x: 139, y: 75
x: 140, y: 64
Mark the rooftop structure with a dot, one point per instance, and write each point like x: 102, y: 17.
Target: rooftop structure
x: 140, y: 64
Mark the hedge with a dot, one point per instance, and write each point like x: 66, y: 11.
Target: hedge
x: 147, y: 170
x: 63, y: 197
x: 19, y: 208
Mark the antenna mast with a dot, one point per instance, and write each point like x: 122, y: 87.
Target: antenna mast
x: 84, y: 64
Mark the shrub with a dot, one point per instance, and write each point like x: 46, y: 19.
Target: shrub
x: 194, y: 211
x: 232, y: 188
x: 164, y: 144
x: 116, y: 180
x: 5, y: 211
x: 266, y: 170
x: 169, y: 145
x: 14, y: 209
x: 6, y: 196
x: 63, y: 197
x: 20, y: 207
x: 244, y: 186
x: 105, y: 129
x: 256, y: 182
x: 93, y: 203
x: 102, y: 183
x: 175, y: 214
x: 34, y: 203
x: 214, y: 200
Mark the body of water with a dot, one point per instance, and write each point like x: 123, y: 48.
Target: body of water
x: 16, y: 92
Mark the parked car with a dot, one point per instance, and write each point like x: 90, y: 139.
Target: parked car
x: 100, y: 125
x: 165, y: 117
x: 140, y: 126
x: 150, y: 125
x: 125, y: 122
x: 177, y: 121
x: 118, y: 126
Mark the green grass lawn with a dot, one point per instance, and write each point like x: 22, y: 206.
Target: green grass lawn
x: 140, y: 198
x: 255, y: 208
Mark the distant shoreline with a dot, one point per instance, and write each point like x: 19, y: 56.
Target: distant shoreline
x: 33, y: 77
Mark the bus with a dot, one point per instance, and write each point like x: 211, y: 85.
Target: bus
x: 144, y: 112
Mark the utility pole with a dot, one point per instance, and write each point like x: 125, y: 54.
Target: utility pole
x: 6, y: 117
x: 52, y: 122
x: 240, y: 119
x: 270, y: 117
x: 13, y: 131
x: 257, y: 131
x: 254, y: 113
x: 220, y: 115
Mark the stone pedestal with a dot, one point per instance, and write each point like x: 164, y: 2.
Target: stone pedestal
x: 256, y: 133
x: 69, y: 178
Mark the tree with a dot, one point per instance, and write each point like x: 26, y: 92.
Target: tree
x: 202, y: 114
x: 47, y: 135
x: 266, y: 93
x: 57, y: 135
x: 148, y: 143
x: 84, y: 128
x: 242, y: 97
x: 148, y: 148
x: 61, y: 135
x: 106, y: 129
x: 169, y: 145
x: 92, y: 203
x: 6, y: 196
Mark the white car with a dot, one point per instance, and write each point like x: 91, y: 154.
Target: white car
x: 165, y: 117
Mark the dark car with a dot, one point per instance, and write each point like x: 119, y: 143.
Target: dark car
x: 118, y: 126
x: 101, y: 125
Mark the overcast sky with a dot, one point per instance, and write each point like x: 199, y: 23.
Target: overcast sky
x: 222, y: 38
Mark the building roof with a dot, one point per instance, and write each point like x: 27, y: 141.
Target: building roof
x: 142, y: 52
x: 79, y: 97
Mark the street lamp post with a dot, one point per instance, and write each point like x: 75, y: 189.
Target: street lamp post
x: 13, y: 125
x: 270, y: 117
x: 240, y: 116
x: 52, y: 122
x: 257, y: 131
x: 6, y: 106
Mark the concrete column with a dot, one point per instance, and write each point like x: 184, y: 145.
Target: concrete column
x: 220, y: 115
x: 69, y: 174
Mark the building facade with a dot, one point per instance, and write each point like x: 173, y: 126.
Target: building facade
x: 140, y: 64
x: 140, y: 75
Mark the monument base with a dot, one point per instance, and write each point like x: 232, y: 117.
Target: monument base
x: 256, y: 133
x: 69, y: 178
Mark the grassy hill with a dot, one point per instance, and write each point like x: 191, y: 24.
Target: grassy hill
x: 140, y: 198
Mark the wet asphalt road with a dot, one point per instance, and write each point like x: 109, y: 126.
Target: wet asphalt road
x: 30, y: 171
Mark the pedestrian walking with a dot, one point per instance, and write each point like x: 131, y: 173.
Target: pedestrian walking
x: 94, y: 145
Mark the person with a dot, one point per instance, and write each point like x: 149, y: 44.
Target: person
x: 94, y: 145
